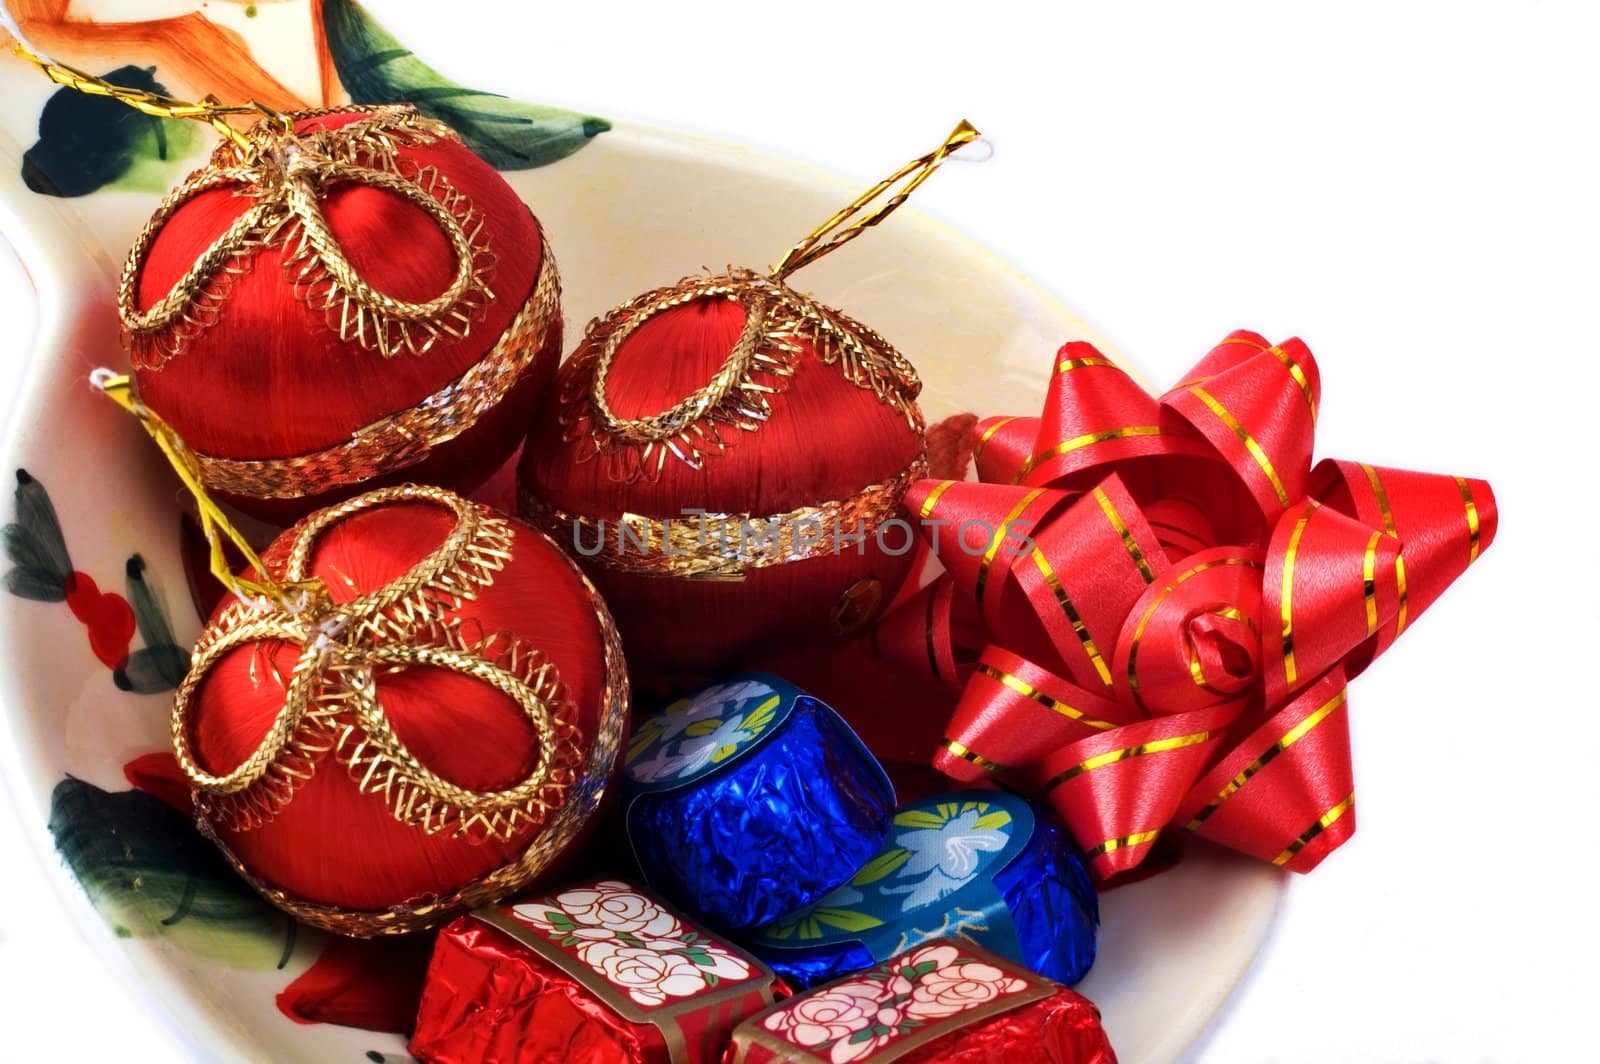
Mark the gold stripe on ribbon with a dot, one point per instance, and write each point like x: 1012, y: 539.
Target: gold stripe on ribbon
x: 966, y: 753
x: 933, y: 656
x: 1078, y: 627
x: 1299, y: 376
x: 1369, y: 582
x: 1138, y: 631
x: 999, y: 538
x: 933, y: 497
x: 1322, y: 824
x: 988, y: 434
x: 1289, y: 671
x: 1290, y: 737
x: 1067, y: 446
x: 1111, y: 757
x: 1472, y: 517
x: 1128, y: 543
x: 1245, y: 340
x: 1027, y: 690
x: 1196, y: 673
x: 1388, y: 526
x: 1067, y: 365
x: 1248, y: 440
x: 1138, y: 838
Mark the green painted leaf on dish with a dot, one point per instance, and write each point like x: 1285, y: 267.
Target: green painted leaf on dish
x: 511, y: 135
x: 87, y: 143
x: 151, y: 874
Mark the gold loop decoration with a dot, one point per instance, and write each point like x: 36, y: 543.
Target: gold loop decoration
x: 287, y: 172
x: 332, y: 705
x: 778, y: 321
x: 409, y: 436
x: 840, y: 230
x: 333, y: 708
x: 657, y: 427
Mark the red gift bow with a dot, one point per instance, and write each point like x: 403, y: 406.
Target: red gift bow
x: 1169, y: 600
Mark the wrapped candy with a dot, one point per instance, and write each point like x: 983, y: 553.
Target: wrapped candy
x: 749, y: 798
x: 983, y: 866
x: 945, y: 1000
x: 599, y: 973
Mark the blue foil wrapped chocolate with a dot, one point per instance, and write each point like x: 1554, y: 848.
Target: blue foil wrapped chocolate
x: 980, y: 865
x: 750, y: 799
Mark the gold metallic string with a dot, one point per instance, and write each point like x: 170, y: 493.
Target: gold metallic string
x: 295, y: 594
x: 840, y: 229
x: 209, y: 110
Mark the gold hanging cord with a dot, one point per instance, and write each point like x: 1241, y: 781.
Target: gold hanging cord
x: 293, y: 596
x: 209, y: 110
x: 840, y: 230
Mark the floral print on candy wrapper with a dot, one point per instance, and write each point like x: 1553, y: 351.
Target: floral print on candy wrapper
x: 634, y: 944
x: 941, y: 855
x: 702, y: 731
x: 853, y: 1019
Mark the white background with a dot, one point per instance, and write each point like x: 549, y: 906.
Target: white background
x: 1412, y: 189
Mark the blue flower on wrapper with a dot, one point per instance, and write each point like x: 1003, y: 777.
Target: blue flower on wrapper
x: 986, y: 866
x: 750, y: 799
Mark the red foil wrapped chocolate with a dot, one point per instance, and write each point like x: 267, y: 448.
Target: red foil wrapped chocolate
x: 946, y: 1001
x: 599, y: 973
x: 1152, y: 605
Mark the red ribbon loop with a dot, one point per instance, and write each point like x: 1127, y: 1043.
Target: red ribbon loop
x: 1151, y: 606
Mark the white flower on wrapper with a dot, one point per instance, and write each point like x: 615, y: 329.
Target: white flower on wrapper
x: 697, y: 752
x: 831, y: 1014
x: 610, y: 907
x: 708, y: 704
x: 646, y: 975
x: 944, y: 857
x: 953, y: 988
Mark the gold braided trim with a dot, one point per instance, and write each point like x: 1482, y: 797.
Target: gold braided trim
x: 286, y: 175
x: 407, y: 437
x: 332, y: 706
x: 780, y: 324
x: 723, y: 546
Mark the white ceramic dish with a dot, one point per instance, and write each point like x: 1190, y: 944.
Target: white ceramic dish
x: 632, y: 208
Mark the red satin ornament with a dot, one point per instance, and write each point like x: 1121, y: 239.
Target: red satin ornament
x: 825, y: 438
x: 258, y: 370
x: 1167, y: 599
x: 339, y: 841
